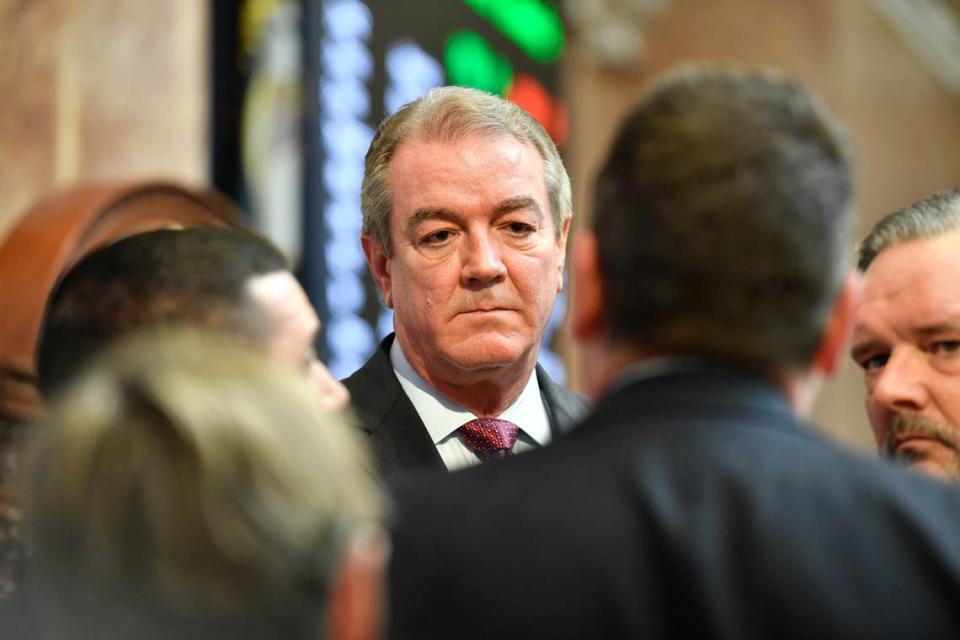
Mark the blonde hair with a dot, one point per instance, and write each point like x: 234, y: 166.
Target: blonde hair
x: 187, y: 468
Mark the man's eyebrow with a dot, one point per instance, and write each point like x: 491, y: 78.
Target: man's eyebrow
x: 929, y: 330
x: 509, y: 205
x: 422, y: 215
x: 517, y: 203
x: 925, y: 332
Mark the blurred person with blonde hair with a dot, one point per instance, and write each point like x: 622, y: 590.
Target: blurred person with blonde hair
x: 185, y: 487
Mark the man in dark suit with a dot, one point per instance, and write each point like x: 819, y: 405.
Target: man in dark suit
x: 466, y: 207
x: 710, y: 297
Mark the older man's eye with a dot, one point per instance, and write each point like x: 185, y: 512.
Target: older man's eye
x: 946, y: 347
x: 874, y: 362
x: 437, y: 237
x: 520, y: 228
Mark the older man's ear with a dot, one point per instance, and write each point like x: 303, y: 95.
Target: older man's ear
x: 562, y: 245
x: 379, y: 267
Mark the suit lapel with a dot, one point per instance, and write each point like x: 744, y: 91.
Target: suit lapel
x: 398, y: 436
x: 564, y: 407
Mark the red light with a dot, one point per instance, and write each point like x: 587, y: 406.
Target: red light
x: 527, y: 92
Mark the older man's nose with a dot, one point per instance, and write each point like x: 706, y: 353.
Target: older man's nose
x: 482, y: 260
x: 901, y: 384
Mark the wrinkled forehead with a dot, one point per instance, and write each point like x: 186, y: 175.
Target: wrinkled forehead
x: 919, y: 257
x: 917, y: 280
x: 470, y: 172
x: 477, y: 137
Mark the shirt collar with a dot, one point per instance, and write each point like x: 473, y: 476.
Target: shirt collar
x: 442, y: 416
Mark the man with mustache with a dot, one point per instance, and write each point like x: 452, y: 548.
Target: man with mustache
x: 466, y: 207
x: 907, y: 333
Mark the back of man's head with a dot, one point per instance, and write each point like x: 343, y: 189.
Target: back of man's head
x: 723, y: 214
x: 935, y: 215
x: 194, y: 276
x: 186, y: 487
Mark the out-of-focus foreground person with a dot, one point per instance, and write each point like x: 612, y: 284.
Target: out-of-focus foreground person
x: 185, y: 487
x: 220, y: 279
x: 466, y: 207
x: 907, y: 333
x: 713, y: 293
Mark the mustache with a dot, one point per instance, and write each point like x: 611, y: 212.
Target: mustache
x: 912, y: 424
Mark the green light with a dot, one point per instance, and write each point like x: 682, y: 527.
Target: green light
x: 470, y: 61
x: 532, y: 25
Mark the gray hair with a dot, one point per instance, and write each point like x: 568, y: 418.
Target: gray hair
x: 934, y: 215
x: 450, y: 114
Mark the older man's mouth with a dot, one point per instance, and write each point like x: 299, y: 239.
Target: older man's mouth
x: 486, y: 310
x: 912, y: 438
x: 924, y: 445
x: 910, y: 448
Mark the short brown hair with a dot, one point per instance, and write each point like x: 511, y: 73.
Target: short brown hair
x: 197, y: 276
x: 723, y: 214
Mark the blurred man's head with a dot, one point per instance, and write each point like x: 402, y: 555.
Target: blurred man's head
x: 907, y: 333
x: 185, y: 486
x: 219, y: 279
x: 721, y: 225
x: 466, y: 207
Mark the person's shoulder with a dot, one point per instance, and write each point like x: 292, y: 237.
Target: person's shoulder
x: 375, y: 372
x: 15, y: 617
x: 373, y: 387
x: 566, y: 406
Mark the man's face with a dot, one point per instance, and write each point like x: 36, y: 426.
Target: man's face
x: 907, y: 340
x: 476, y: 261
x: 294, y: 325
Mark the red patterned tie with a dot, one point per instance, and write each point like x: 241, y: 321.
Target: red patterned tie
x: 488, y: 437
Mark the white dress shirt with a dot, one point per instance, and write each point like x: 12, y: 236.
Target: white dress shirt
x: 443, y: 417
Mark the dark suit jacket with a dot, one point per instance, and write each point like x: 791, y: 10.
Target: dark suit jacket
x: 399, y: 438
x: 688, y: 505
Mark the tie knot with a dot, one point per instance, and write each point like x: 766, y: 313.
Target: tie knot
x: 489, y: 437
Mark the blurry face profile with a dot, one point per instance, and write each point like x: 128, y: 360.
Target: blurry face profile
x: 907, y: 341
x: 294, y: 326
x: 477, y: 261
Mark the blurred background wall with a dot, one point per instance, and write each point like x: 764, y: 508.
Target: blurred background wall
x: 106, y: 89
x: 100, y: 90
